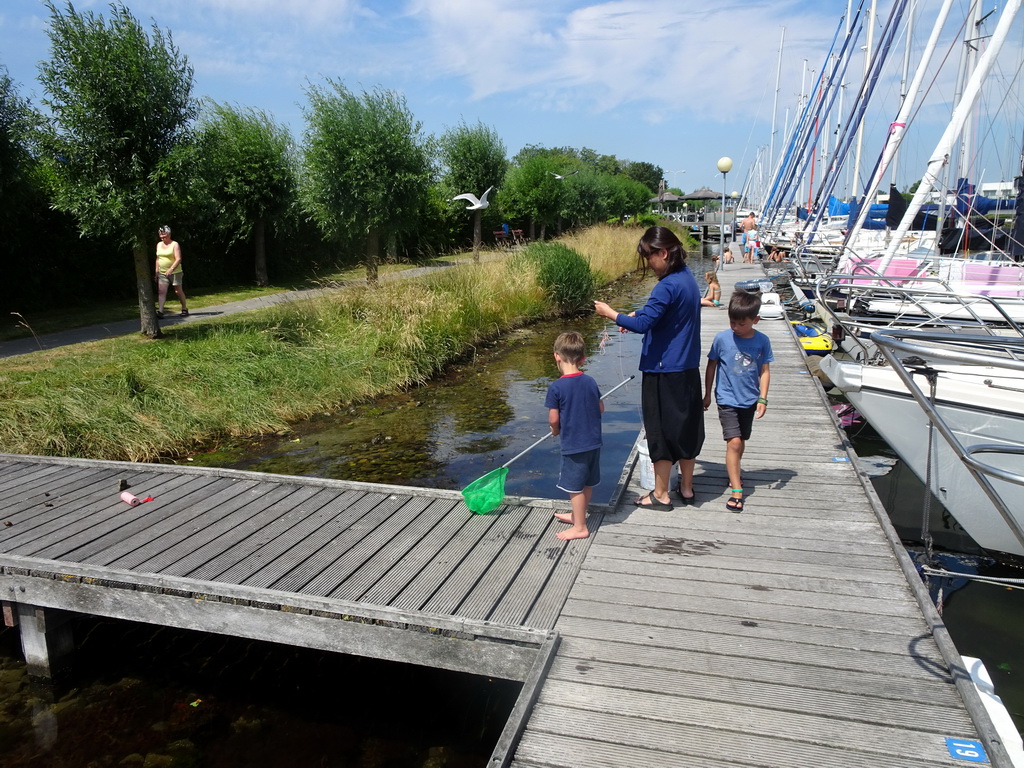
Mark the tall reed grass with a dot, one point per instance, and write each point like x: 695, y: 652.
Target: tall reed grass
x: 136, y: 399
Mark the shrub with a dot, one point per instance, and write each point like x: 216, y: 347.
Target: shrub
x: 564, y: 275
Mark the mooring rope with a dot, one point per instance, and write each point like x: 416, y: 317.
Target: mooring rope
x: 1003, y: 581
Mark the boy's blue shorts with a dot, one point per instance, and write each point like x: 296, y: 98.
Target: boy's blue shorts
x: 580, y: 470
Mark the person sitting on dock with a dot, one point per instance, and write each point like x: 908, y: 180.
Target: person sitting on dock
x: 574, y: 411
x: 740, y: 357
x: 713, y: 295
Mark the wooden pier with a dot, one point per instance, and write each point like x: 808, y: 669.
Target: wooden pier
x: 793, y: 634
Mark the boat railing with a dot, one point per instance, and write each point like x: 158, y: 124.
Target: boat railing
x: 909, y: 353
x: 854, y: 306
x: 811, y: 264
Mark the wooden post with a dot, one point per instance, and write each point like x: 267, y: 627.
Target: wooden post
x: 46, y: 638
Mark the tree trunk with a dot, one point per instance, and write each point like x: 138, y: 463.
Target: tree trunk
x: 144, y: 274
x: 543, y: 230
x: 259, y: 246
x: 476, y: 236
x: 533, y: 228
x: 372, y: 255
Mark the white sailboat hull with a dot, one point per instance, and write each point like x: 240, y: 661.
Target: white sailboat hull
x: 975, y: 412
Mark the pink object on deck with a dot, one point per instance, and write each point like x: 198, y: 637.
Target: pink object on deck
x: 130, y: 499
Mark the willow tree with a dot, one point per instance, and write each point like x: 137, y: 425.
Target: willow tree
x: 122, y: 106
x: 367, y: 166
x: 473, y: 160
x: 249, y: 170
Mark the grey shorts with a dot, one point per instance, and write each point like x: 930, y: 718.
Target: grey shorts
x: 736, y: 422
x: 174, y: 279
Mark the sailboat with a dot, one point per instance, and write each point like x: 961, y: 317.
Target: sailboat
x: 936, y: 358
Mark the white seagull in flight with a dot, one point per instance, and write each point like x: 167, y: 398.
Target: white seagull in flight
x: 474, y: 203
x: 562, y: 176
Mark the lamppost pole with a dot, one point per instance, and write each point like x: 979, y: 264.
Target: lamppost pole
x: 724, y: 166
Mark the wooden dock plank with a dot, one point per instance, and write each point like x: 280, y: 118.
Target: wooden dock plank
x: 190, y: 515
x: 208, y: 558
x: 69, y: 515
x: 490, y: 570
x: 459, y: 563
x: 334, y: 557
x: 329, y: 516
x: 113, y: 521
x: 742, y: 691
x: 261, y: 539
x: 195, y: 546
x: 407, y: 551
x: 428, y: 550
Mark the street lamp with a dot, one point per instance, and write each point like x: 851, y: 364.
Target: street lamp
x: 724, y: 166
x: 735, y: 202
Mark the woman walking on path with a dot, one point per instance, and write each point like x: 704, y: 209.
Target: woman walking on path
x: 672, y: 404
x: 168, y: 270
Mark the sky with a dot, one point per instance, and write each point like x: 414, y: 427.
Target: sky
x: 676, y: 83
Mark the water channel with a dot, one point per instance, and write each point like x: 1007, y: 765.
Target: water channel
x: 204, y: 700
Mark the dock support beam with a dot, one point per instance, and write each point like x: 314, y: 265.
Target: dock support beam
x: 46, y: 637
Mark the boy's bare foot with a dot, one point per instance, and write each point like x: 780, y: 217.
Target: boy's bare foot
x: 563, y: 517
x: 572, y: 533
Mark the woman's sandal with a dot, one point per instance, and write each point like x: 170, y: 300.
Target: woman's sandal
x: 652, y: 503
x: 687, y: 500
x: 734, y: 504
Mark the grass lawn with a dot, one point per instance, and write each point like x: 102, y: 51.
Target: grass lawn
x: 17, y: 326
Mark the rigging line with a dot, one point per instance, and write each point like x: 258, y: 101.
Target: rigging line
x: 1003, y: 581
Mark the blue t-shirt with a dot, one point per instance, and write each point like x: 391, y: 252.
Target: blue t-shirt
x: 738, y: 378
x: 578, y: 401
x: 670, y: 323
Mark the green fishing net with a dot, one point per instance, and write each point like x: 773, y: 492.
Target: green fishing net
x: 485, y: 494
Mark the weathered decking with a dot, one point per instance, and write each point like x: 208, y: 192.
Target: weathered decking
x: 331, y: 564
x: 787, y: 635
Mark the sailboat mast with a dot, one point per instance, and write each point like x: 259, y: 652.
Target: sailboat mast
x: 867, y: 65
x: 940, y: 157
x: 899, y: 125
x: 775, y: 102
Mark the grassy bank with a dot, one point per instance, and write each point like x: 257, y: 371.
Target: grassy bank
x: 136, y: 399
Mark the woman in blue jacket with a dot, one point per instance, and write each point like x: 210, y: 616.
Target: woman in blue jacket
x: 673, y: 409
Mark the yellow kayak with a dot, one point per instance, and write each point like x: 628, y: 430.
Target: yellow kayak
x: 814, y: 339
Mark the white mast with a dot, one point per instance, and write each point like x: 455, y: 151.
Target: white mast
x: 898, y: 127
x: 775, y: 102
x: 940, y: 157
x: 860, y: 128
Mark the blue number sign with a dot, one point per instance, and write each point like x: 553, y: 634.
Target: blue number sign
x: 962, y: 749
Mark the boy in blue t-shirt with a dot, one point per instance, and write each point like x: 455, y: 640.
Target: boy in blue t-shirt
x: 575, y: 409
x: 740, y: 356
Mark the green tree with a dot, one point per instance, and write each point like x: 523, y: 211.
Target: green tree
x: 249, y: 168
x: 367, y: 166
x: 533, y: 192
x: 473, y: 159
x: 122, y: 107
x: 648, y: 174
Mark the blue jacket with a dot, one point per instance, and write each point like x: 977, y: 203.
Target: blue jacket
x: 670, y: 323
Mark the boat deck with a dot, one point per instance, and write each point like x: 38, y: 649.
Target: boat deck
x: 788, y: 635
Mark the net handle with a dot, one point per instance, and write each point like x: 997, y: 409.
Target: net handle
x: 538, y: 442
